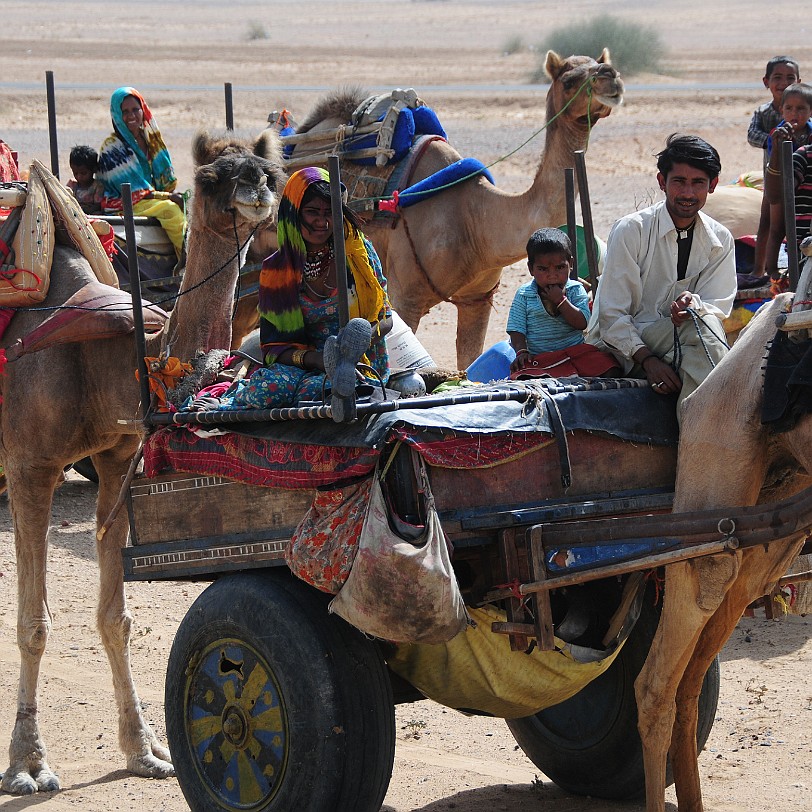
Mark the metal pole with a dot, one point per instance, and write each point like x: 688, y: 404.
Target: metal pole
x: 49, y: 90
x: 788, y: 180
x: 586, y: 216
x: 135, y: 292
x: 229, y: 107
x: 338, y: 240
x: 572, y: 227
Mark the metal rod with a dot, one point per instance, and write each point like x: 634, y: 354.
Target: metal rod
x: 49, y: 90
x: 135, y: 291
x: 572, y: 227
x: 586, y: 216
x: 338, y: 240
x: 788, y: 180
x: 229, y: 107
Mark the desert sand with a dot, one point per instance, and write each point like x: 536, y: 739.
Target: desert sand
x: 179, y: 54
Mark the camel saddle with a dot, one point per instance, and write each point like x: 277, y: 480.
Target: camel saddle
x: 96, y: 311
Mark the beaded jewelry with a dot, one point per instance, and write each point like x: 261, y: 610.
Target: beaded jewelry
x: 319, y: 264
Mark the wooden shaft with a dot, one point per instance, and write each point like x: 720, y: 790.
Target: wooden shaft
x: 586, y: 216
x: 49, y: 89
x: 788, y: 179
x: 795, y: 578
x: 229, y: 107
x: 572, y: 228
x: 329, y: 135
x: 338, y: 240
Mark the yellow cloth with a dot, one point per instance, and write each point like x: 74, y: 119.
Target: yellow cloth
x: 171, y: 216
x: 164, y: 374
x: 477, y: 670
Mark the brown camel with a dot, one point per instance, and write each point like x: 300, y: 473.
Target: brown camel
x: 726, y: 458
x: 454, y: 246
x: 237, y: 187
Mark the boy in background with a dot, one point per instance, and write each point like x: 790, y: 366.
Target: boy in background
x: 89, y: 192
x: 781, y: 72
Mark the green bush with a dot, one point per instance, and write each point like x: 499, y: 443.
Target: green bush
x: 256, y: 30
x: 513, y: 46
x: 634, y: 48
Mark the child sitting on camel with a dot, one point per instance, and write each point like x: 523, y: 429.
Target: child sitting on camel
x: 550, y: 313
x: 89, y: 192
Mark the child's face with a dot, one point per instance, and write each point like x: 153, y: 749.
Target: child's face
x: 779, y: 80
x: 796, y: 111
x: 550, y: 270
x: 82, y: 174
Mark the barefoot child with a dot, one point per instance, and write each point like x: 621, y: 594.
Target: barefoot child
x: 781, y: 72
x: 550, y: 313
x: 89, y: 192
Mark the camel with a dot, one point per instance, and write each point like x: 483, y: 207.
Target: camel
x: 454, y: 246
x: 237, y: 188
x: 726, y: 458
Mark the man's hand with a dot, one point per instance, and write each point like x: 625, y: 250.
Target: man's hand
x: 661, y: 378
x: 679, y: 308
x: 521, y: 360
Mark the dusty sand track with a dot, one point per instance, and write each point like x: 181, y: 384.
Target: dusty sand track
x: 760, y: 751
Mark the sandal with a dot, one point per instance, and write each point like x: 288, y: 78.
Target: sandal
x: 343, y: 352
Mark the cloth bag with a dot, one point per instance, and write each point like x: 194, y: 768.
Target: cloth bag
x: 403, y: 591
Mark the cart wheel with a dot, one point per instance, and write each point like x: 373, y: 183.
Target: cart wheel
x: 589, y: 744
x: 272, y: 704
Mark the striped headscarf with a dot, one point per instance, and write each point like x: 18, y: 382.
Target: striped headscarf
x: 281, y: 321
x: 121, y: 160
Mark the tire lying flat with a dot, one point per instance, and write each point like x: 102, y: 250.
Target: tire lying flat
x: 272, y: 704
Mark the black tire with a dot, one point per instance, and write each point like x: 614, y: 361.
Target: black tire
x: 86, y: 468
x: 272, y: 704
x: 589, y: 745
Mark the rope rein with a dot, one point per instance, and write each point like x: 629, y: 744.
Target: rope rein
x: 696, y: 319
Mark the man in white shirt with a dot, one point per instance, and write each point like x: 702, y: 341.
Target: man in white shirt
x: 669, y: 277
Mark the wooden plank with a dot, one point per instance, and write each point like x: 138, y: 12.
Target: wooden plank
x: 541, y: 599
x: 178, y: 507
x: 516, y: 614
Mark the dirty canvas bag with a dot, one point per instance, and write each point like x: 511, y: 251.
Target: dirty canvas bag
x: 403, y: 591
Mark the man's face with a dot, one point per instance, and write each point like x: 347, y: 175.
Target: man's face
x: 686, y: 190
x: 779, y: 80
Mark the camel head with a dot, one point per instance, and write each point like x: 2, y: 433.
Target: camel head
x: 237, y: 183
x: 588, y: 88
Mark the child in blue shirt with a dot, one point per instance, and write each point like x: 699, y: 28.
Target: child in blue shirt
x: 551, y: 311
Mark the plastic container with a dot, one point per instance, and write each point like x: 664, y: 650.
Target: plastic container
x: 493, y: 364
x: 405, y: 351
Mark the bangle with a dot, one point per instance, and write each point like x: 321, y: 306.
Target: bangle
x: 771, y: 171
x: 647, y: 358
x: 297, y: 358
x: 523, y: 349
x: 563, y: 299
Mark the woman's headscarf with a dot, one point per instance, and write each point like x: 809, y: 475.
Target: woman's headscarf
x: 121, y: 160
x: 281, y: 276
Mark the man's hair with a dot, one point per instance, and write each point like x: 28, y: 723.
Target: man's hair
x: 548, y: 241
x: 86, y: 156
x: 691, y: 150
x: 781, y: 60
x: 798, y: 89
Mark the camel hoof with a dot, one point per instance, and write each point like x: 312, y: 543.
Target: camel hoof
x: 24, y: 784
x: 148, y: 766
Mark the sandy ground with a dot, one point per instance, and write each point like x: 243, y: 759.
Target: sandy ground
x: 180, y: 54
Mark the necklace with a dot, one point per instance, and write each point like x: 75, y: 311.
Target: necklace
x: 317, y: 264
x: 330, y: 291
x: 682, y: 233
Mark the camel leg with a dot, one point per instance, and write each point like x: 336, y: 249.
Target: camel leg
x: 30, y: 497
x: 690, y: 601
x: 472, y: 325
x: 145, y: 755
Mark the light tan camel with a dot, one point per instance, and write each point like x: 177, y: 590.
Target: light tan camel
x: 726, y: 458
x: 454, y: 245
x: 235, y: 191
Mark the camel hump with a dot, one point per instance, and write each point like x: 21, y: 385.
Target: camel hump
x: 339, y: 104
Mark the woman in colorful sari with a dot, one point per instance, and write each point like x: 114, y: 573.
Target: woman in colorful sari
x: 298, y: 297
x: 135, y: 153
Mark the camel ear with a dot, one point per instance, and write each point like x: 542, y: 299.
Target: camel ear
x: 553, y: 64
x: 268, y: 146
x: 203, y: 148
x: 604, y: 58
